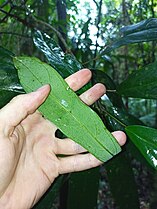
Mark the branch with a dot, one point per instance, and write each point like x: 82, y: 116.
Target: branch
x: 40, y: 22
x: 14, y: 16
x: 35, y: 23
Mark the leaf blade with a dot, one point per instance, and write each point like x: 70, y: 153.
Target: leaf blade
x: 33, y: 73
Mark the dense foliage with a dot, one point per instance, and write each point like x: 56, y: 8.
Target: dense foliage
x: 117, y: 40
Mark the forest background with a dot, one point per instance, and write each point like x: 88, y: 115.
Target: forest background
x: 94, y: 32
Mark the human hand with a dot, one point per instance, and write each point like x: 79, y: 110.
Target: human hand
x: 29, y: 148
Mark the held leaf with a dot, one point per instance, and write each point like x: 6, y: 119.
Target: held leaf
x: 64, y: 108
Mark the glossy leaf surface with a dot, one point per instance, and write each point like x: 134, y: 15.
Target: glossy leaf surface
x: 143, y: 31
x: 65, y: 64
x: 141, y: 84
x: 64, y: 108
x: 145, y: 139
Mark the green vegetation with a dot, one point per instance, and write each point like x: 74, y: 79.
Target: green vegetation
x: 117, y: 41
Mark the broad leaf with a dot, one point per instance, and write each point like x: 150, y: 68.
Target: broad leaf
x: 145, y: 139
x: 64, y: 108
x: 141, y: 84
x: 143, y: 31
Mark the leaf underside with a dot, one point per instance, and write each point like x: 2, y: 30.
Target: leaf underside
x: 64, y: 108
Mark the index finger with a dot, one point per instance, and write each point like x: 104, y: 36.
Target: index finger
x: 79, y: 79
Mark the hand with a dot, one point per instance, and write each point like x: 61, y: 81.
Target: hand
x: 28, y: 146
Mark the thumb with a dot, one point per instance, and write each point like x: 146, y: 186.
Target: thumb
x: 20, y: 107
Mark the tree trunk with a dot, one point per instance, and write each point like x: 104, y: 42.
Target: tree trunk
x: 62, y: 14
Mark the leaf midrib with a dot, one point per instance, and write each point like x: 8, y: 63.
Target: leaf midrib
x: 69, y: 111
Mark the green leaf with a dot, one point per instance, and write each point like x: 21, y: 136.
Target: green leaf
x: 141, y: 84
x: 145, y: 139
x: 9, y: 82
x: 64, y: 108
x: 143, y: 31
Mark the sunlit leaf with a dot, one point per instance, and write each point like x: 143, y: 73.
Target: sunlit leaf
x: 64, y: 108
x: 145, y: 139
x: 141, y: 84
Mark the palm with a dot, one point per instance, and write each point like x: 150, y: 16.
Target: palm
x: 29, y: 148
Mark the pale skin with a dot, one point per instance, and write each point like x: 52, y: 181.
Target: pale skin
x: 29, y: 148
